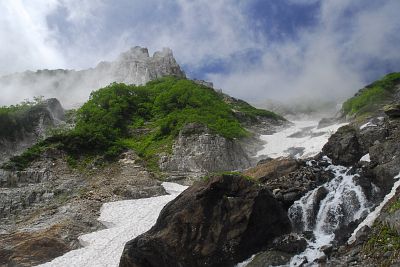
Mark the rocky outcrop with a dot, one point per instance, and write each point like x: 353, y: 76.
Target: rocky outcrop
x: 28, y: 249
x: 377, y: 137
x: 343, y: 147
x: 73, y: 87
x: 392, y: 111
x: 217, y: 222
x: 290, y: 179
x: 32, y: 125
x: 198, y: 150
x: 44, y: 208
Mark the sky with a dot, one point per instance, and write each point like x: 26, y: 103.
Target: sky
x: 252, y: 49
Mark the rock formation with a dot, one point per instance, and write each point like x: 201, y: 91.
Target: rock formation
x: 198, y: 150
x: 31, y: 126
x: 73, y: 87
x: 218, y: 222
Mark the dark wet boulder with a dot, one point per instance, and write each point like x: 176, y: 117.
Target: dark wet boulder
x: 291, y: 243
x: 270, y: 258
x: 218, y: 222
x: 343, y: 147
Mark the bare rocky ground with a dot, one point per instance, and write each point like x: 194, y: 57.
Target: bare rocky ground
x: 44, y: 209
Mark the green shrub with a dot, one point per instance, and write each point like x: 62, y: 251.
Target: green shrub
x: 146, y: 118
x: 372, y: 96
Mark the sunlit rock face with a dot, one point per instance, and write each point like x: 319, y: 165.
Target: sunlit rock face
x: 72, y: 87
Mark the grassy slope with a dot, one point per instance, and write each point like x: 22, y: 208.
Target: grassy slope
x: 372, y: 97
x: 144, y: 118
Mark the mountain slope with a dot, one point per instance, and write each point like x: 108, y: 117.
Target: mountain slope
x: 148, y: 119
x: 372, y: 98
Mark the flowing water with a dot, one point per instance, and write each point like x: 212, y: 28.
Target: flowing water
x: 326, y: 210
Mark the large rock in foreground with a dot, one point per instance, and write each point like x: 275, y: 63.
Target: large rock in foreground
x: 218, y: 222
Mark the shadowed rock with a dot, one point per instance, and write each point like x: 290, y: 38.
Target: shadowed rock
x: 218, y: 222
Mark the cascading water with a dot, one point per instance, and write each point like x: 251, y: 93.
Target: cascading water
x: 326, y: 210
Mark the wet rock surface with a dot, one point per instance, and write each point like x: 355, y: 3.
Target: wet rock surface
x: 218, y: 222
x: 270, y: 258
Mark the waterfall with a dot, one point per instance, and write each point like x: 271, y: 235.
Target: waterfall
x: 370, y: 219
x: 326, y: 210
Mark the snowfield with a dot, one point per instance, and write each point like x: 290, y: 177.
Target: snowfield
x: 125, y: 220
x: 302, y: 135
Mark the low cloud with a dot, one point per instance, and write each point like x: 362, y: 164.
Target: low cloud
x: 351, y: 42
x: 354, y: 42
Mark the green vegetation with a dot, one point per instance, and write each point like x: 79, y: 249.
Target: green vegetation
x: 143, y: 118
x: 252, y: 112
x: 383, y: 240
x: 394, y: 207
x: 372, y: 96
x: 17, y: 119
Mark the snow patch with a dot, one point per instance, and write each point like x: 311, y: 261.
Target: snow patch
x: 310, y: 142
x: 126, y: 220
x: 366, y: 158
x: 368, y: 124
x: 370, y: 219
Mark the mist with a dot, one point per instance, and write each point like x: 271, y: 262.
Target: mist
x: 343, y: 46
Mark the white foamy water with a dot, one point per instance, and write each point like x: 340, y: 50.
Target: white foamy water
x: 306, y: 136
x: 125, y: 220
x: 345, y: 202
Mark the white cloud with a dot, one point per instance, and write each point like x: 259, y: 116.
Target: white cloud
x: 26, y: 41
x: 326, y: 61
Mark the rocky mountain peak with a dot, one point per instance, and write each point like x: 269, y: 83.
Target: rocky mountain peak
x: 134, y: 66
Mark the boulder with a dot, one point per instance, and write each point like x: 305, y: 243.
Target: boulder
x: 270, y: 258
x: 218, y: 222
x: 289, y: 179
x: 343, y: 147
x: 392, y: 111
x: 273, y: 169
x: 291, y: 243
x: 30, y: 249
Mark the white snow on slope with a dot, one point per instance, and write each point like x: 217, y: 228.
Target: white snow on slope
x: 277, y: 144
x: 126, y: 220
x: 370, y: 219
x: 366, y: 158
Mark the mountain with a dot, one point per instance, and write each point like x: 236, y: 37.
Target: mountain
x: 343, y: 204
x: 73, y: 87
x: 120, y: 144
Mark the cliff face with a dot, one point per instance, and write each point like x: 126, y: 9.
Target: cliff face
x: 71, y: 87
x: 30, y: 126
x: 197, y: 150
